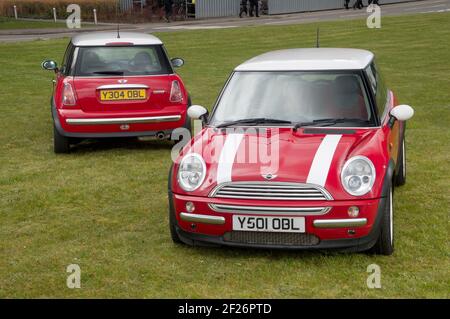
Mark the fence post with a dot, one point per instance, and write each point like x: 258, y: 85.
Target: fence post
x: 15, y: 12
x: 95, y: 16
x: 54, y: 14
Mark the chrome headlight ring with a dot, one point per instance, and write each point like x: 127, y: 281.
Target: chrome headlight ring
x: 191, y: 172
x: 358, y: 176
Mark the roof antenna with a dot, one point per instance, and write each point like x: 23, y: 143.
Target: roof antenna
x: 117, y: 17
x: 318, y: 38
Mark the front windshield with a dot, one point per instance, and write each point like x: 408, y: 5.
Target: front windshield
x: 295, y: 97
x: 126, y: 60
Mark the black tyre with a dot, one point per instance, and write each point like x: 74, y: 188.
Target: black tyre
x: 400, y: 178
x: 172, y: 222
x: 61, y: 144
x: 172, y: 217
x: 385, y: 242
x: 188, y: 123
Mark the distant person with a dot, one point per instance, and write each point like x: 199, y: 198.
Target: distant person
x: 254, y: 8
x: 168, y: 8
x: 191, y: 8
x: 244, y: 8
x: 358, y: 4
x: 374, y: 2
x: 346, y: 4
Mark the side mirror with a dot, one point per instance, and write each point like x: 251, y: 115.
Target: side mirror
x: 177, y: 62
x: 49, y: 65
x: 198, y: 112
x: 401, y: 113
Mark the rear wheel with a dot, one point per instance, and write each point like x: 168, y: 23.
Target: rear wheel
x: 400, y: 178
x: 385, y: 242
x: 61, y: 144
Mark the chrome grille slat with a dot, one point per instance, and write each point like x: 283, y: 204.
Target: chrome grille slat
x: 270, y: 186
x: 227, y: 192
x: 275, y: 190
x: 270, y: 191
x: 269, y: 198
x: 269, y: 210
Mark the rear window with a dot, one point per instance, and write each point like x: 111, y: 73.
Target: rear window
x: 127, y: 61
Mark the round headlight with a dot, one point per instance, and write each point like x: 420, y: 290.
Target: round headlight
x: 192, y: 172
x: 358, y: 175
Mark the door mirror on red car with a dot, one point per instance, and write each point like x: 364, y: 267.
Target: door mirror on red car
x: 198, y: 112
x: 49, y: 65
x: 177, y: 62
x: 401, y: 113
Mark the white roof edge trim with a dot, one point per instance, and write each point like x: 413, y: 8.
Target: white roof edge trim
x: 309, y: 60
x: 104, y: 38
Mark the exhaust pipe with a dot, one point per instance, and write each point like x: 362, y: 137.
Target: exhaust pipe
x: 160, y: 135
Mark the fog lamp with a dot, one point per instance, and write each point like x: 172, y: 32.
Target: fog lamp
x: 190, y: 207
x: 353, y: 211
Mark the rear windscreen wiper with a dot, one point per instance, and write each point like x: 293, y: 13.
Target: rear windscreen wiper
x: 109, y: 72
x: 254, y: 121
x: 328, y: 122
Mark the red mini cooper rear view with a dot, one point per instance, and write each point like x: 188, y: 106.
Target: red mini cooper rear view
x: 116, y: 85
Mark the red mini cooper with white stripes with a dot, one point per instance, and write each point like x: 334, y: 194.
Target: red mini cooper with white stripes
x: 302, y: 150
x: 114, y: 84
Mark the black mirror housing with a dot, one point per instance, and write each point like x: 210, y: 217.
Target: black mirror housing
x: 49, y: 65
x: 177, y: 62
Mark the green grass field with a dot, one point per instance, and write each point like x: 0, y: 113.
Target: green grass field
x: 104, y: 206
x: 12, y: 24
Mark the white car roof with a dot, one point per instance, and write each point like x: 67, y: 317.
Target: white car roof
x: 104, y: 38
x: 309, y: 60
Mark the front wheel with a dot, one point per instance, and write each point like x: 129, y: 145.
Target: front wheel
x: 172, y: 224
x: 385, y: 242
x: 61, y: 144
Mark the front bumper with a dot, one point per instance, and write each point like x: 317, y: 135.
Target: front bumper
x: 331, y: 230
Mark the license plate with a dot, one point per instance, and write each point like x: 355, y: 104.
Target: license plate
x: 120, y: 95
x: 269, y: 224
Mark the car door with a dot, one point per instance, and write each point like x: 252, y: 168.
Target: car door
x: 385, y: 102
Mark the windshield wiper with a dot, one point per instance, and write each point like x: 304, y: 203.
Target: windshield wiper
x: 328, y: 122
x: 109, y: 72
x: 255, y: 121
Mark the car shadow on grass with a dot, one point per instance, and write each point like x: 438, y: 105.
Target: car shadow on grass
x: 268, y: 253
x: 101, y: 145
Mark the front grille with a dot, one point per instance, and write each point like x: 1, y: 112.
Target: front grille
x: 269, y: 238
x: 270, y: 191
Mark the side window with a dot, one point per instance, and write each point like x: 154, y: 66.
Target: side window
x: 67, y: 59
x: 378, y: 88
x: 372, y: 78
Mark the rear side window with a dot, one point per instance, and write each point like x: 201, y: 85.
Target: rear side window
x: 67, y: 59
x: 378, y: 87
x: 126, y: 61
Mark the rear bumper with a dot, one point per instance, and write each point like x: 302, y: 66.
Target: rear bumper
x: 77, y: 124
x: 124, y: 120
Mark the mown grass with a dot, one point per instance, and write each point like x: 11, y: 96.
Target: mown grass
x: 104, y: 207
x: 13, y: 24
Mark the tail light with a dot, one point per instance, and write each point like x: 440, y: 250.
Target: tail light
x: 68, y: 96
x: 176, y: 95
